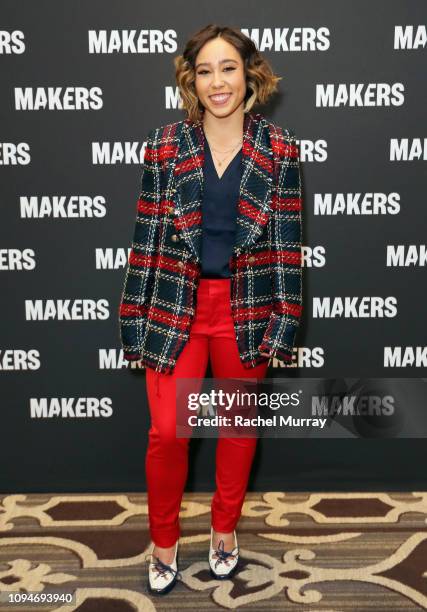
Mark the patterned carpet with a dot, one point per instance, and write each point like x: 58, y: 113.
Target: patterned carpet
x: 329, y: 552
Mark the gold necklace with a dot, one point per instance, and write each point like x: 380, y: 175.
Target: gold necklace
x: 220, y: 162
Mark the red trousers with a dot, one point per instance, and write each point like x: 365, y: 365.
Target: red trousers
x: 212, y: 336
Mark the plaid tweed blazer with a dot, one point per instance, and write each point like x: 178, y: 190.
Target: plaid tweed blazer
x: 159, y: 294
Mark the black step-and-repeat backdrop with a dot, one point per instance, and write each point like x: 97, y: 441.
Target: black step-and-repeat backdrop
x: 81, y: 86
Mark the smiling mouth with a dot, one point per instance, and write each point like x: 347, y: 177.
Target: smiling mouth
x: 220, y: 97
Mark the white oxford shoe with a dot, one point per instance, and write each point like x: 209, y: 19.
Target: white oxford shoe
x: 162, y: 577
x: 223, y: 564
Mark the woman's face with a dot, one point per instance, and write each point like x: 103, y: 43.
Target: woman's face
x: 220, y: 78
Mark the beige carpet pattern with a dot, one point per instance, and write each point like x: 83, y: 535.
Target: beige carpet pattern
x: 302, y: 552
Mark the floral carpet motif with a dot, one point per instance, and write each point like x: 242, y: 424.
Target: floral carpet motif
x: 329, y: 552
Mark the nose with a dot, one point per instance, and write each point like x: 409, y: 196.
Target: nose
x: 218, y: 79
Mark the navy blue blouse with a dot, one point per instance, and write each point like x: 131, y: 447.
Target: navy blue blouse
x: 219, y: 212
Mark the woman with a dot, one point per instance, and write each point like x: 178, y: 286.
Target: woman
x: 224, y: 286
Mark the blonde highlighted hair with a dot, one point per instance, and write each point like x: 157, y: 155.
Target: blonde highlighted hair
x: 261, y: 82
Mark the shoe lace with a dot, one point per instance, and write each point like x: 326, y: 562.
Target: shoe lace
x: 222, y: 555
x: 162, y: 568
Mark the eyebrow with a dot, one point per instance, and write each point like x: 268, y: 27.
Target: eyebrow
x: 221, y: 62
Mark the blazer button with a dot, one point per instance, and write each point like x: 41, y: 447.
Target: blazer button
x: 251, y: 259
x: 175, y: 238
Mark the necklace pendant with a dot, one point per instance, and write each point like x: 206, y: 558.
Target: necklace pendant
x: 219, y: 163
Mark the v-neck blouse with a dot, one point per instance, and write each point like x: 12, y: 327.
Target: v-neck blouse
x: 219, y: 212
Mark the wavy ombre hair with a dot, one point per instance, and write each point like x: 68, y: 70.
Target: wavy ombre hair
x: 261, y: 82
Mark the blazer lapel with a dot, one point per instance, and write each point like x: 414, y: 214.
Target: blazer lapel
x: 254, y: 204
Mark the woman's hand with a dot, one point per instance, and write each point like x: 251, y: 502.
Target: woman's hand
x: 265, y: 354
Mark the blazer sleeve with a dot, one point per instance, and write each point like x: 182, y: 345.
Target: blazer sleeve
x: 142, y: 258
x: 286, y: 253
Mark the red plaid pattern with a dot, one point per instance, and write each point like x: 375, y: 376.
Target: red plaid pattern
x: 157, y: 304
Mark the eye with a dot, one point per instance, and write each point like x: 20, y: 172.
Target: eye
x: 228, y: 68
